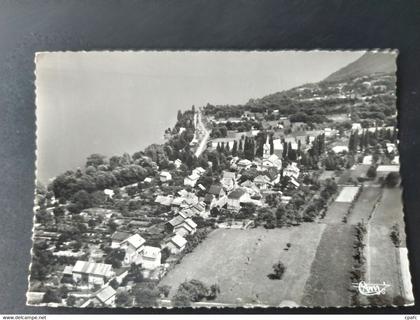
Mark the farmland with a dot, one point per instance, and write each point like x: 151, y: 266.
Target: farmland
x: 329, y: 282
x: 364, y: 205
x: 240, y: 261
x: 336, y: 212
x: 347, y: 194
x: 383, y: 261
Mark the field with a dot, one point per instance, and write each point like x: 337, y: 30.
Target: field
x: 336, y: 212
x: 383, y: 258
x: 239, y: 261
x: 329, y: 282
x: 359, y: 170
x: 365, y: 205
x: 347, y: 194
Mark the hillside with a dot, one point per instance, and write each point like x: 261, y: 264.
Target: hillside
x: 368, y: 64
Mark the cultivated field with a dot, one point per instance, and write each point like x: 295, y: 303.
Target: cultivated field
x: 383, y: 261
x: 364, y: 205
x: 239, y: 261
x: 336, y: 212
x: 330, y: 282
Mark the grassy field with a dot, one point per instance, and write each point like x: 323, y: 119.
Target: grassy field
x: 330, y: 282
x: 382, y: 256
x: 336, y: 212
x: 239, y: 261
x: 364, y: 205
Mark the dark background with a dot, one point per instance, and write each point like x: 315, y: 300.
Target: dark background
x: 27, y: 26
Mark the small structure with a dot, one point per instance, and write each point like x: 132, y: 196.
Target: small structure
x: 191, y: 180
x: 117, y: 238
x: 133, y: 246
x: 91, y: 273
x: 217, y: 191
x: 165, y: 176
x: 176, y: 244
x: 188, y: 226
x: 173, y: 223
x: 278, y: 147
x: 367, y: 159
x: 356, y: 127
x: 105, y: 297
x: 151, y: 257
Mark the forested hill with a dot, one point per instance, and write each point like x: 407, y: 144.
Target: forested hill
x: 368, y: 64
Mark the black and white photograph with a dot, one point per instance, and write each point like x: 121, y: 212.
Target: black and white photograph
x: 218, y: 179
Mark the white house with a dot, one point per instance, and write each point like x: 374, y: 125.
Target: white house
x: 188, y: 226
x: 228, y: 180
x: 199, y: 171
x: 91, y: 273
x: 165, y: 176
x: 109, y: 193
x: 151, y: 257
x: 133, y: 246
x: 191, y: 180
x: 356, y: 127
x: 367, y: 159
x: 177, y: 163
x: 278, y: 147
x: 340, y: 149
x: 291, y: 171
x: 272, y: 161
x: 176, y: 244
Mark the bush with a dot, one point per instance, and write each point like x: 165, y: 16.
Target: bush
x: 278, y: 271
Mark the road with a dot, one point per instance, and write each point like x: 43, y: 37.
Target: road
x: 203, y: 143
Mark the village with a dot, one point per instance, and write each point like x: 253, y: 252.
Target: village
x: 115, y: 240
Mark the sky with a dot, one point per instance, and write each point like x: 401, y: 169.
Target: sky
x: 116, y: 102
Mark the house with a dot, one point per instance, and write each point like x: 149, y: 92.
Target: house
x: 340, y: 149
x: 176, y: 244
x: 109, y: 193
x: 191, y: 180
x: 228, y: 180
x: 188, y: 226
x: 367, y: 159
x: 117, y: 238
x: 199, y: 171
x: 164, y: 200
x: 151, y: 257
x: 217, y: 191
x: 272, y: 161
x: 293, y: 183
x: 391, y: 147
x: 105, y: 297
x: 147, y: 180
x: 262, y: 182
x: 133, y: 246
x: 356, y: 127
x: 236, y: 197
x: 173, y: 223
x: 91, y: 273
x: 177, y: 163
x: 244, y: 163
x: 165, y: 176
x: 396, y: 160
x: 291, y: 170
x: 278, y: 147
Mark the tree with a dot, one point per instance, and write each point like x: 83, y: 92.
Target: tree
x: 71, y: 301
x: 392, y: 179
x: 278, y: 271
x: 181, y: 300
x: 95, y: 160
x: 122, y: 299
x: 371, y: 173
x: 51, y: 296
x: 146, y: 295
